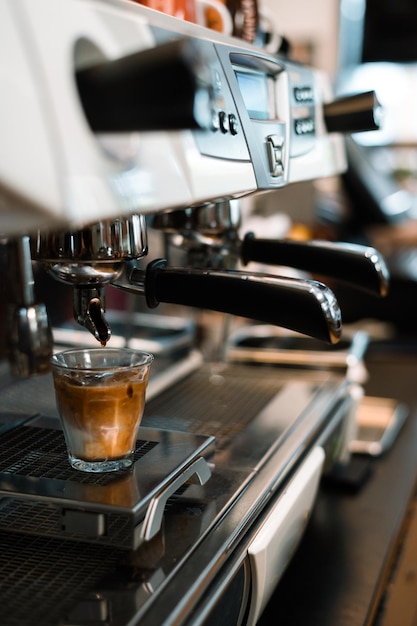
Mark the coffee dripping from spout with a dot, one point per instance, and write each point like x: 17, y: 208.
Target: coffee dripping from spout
x: 90, y: 258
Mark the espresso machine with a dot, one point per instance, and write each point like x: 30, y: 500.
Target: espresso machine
x: 118, y: 119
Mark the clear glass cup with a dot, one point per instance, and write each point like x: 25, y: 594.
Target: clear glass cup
x: 100, y: 394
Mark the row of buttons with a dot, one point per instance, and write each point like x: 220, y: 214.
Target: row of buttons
x: 225, y: 122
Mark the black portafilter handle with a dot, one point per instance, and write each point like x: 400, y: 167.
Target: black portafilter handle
x: 168, y: 87
x: 305, y: 306
x: 360, y: 266
x: 352, y: 114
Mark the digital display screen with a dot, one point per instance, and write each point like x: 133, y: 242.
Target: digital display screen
x: 255, y: 94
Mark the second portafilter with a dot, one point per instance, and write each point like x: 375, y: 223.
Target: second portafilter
x: 210, y: 236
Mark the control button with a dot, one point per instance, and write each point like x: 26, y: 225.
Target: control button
x: 215, y: 125
x: 217, y: 82
x: 224, y: 122
x: 303, y: 94
x: 278, y: 170
x: 304, y: 126
x: 276, y: 140
x: 275, y: 152
x: 233, y: 124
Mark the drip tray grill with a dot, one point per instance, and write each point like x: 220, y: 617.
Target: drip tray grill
x: 47, y: 577
x: 46, y: 456
x: 41, y: 494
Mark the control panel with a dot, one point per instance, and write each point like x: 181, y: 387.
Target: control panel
x: 269, y: 110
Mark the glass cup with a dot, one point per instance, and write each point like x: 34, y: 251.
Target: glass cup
x: 100, y: 394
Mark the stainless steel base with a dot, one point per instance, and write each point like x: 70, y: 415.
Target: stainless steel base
x: 264, y: 421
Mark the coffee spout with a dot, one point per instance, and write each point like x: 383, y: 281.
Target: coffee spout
x: 89, y: 311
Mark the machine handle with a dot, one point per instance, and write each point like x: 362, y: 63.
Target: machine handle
x: 352, y: 114
x: 361, y: 266
x: 168, y: 87
x: 305, y: 306
x: 198, y: 472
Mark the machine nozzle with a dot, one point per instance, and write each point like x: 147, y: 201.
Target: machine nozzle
x: 89, y: 311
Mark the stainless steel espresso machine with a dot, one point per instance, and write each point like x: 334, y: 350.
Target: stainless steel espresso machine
x: 116, y: 120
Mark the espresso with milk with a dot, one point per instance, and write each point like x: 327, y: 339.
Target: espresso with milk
x: 100, y: 422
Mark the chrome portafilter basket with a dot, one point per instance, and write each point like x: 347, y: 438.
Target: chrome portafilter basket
x: 207, y: 233
x: 90, y: 258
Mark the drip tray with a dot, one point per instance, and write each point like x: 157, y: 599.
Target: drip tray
x: 40, y: 494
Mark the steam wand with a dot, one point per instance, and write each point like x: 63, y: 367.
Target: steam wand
x: 30, y: 334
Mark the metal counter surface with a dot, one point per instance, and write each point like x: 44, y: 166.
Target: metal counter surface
x: 341, y: 571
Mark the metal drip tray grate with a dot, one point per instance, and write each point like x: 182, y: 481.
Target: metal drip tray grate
x: 47, y: 577
x: 218, y: 400
x: 41, y: 494
x: 41, y: 453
